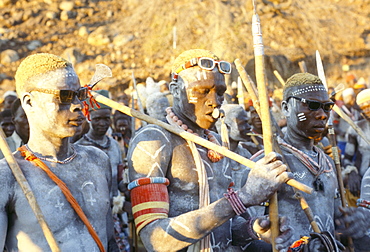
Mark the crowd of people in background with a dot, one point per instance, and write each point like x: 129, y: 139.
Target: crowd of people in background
x: 112, y: 131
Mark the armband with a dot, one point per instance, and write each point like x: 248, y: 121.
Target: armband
x: 150, y: 201
x: 363, y: 203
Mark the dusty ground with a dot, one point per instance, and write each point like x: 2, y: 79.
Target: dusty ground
x: 138, y: 36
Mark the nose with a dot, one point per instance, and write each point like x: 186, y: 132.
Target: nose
x: 214, y: 100
x: 76, y: 104
x: 321, y: 114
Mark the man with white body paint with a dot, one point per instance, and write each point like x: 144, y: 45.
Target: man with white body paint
x: 51, y: 95
x: 307, y: 106
x: 177, y: 188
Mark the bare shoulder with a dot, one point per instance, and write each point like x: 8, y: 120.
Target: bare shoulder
x: 152, y: 132
x: 91, y: 154
x: 115, y: 144
x: 7, y: 181
x: 150, y: 152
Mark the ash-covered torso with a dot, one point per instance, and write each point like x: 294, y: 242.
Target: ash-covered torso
x: 88, y: 184
x: 163, y: 154
x: 322, y: 201
x: 307, y: 108
x: 112, y: 149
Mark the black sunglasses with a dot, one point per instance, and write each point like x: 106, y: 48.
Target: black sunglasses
x: 314, y: 105
x: 65, y: 96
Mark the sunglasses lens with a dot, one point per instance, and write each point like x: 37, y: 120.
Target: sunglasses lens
x: 66, y: 96
x: 206, y: 63
x: 82, y: 94
x: 225, y: 67
x: 328, y: 106
x: 314, y: 105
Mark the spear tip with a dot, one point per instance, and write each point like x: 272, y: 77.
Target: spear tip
x: 254, y: 6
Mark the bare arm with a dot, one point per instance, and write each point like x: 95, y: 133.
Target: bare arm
x: 3, y: 227
x: 150, y: 155
x: 357, y: 219
x: 6, y: 181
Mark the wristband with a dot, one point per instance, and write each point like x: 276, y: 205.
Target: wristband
x: 250, y: 229
x: 235, y: 201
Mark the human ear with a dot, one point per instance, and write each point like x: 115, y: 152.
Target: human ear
x: 26, y: 101
x: 285, y: 108
x: 175, y: 89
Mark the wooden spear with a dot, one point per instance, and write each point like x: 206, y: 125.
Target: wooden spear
x: 304, y: 205
x: 265, y: 112
x: 338, y: 110
x: 188, y: 136
x: 302, y: 66
x: 278, y: 76
x: 333, y: 142
x: 22, y: 181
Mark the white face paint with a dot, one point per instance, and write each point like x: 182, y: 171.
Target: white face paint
x: 301, y: 117
x: 51, y: 106
x: 204, y: 75
x: 193, y: 99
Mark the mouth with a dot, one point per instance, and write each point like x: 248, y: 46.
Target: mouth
x: 320, y: 127
x: 76, y: 121
x: 210, y: 115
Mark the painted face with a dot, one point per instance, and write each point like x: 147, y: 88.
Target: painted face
x: 239, y: 127
x: 203, y: 92
x: 8, y: 126
x: 50, y: 115
x: 21, y: 123
x: 123, y: 126
x: 304, y: 121
x: 100, y: 121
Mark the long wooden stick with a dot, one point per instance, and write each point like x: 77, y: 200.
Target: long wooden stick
x: 249, y: 85
x: 265, y: 112
x: 333, y: 142
x: 22, y: 181
x: 188, y: 136
x: 278, y: 76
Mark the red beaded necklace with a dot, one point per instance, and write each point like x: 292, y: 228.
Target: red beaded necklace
x: 212, y: 155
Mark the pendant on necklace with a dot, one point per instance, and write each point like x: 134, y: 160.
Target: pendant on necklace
x: 318, y: 185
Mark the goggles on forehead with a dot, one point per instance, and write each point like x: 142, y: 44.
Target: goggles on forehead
x: 206, y: 64
x: 65, y: 96
x: 314, y: 105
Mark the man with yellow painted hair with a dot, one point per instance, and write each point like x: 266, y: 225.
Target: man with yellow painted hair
x: 179, y: 191
x: 64, y: 178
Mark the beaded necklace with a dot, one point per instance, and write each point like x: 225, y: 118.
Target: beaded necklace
x: 106, y: 146
x: 55, y: 160
x: 211, y: 154
x: 315, y: 168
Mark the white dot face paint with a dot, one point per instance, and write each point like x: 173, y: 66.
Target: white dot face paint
x: 301, y: 117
